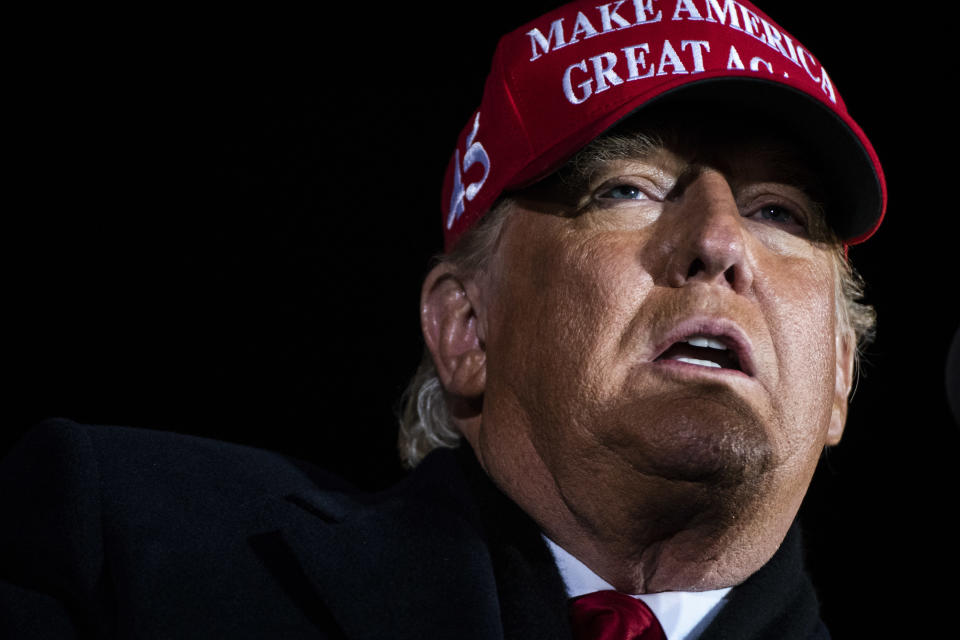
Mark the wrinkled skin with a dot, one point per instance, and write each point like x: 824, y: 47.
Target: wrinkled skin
x: 658, y: 474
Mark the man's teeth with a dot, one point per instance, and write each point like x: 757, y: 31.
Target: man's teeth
x: 703, y: 351
x: 702, y: 363
x: 704, y: 341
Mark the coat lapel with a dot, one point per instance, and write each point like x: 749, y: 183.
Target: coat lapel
x: 406, y: 564
x: 444, y: 555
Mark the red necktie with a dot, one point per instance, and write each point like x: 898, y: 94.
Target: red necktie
x: 611, y: 615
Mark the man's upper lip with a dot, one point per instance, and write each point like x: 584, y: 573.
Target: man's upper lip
x: 725, y: 330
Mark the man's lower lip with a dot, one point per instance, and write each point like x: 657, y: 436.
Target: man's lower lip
x: 691, y: 368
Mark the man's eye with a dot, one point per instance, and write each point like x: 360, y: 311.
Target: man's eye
x: 777, y: 214
x: 780, y: 215
x: 623, y: 192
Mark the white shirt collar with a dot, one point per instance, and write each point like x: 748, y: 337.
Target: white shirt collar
x: 682, y: 614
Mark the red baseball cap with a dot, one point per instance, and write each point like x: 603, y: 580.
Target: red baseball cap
x: 563, y: 79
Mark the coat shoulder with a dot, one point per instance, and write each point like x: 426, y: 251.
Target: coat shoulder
x: 147, y: 460
x: 119, y: 525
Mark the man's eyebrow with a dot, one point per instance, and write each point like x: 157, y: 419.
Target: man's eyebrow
x: 583, y: 167
x: 619, y: 147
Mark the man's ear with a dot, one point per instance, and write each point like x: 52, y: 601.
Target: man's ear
x: 450, y: 316
x: 846, y: 349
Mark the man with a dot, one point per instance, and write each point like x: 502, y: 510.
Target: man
x: 643, y: 332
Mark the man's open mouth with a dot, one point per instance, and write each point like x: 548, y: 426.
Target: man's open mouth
x: 704, y: 350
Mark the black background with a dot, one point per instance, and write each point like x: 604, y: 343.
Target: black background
x: 218, y: 225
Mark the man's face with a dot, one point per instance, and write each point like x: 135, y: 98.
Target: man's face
x: 668, y: 316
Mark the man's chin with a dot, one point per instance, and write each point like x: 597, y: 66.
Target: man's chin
x: 717, y: 441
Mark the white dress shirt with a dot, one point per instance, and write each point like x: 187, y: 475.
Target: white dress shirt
x: 682, y: 614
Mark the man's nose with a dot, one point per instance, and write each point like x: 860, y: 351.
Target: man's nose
x: 709, y: 242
